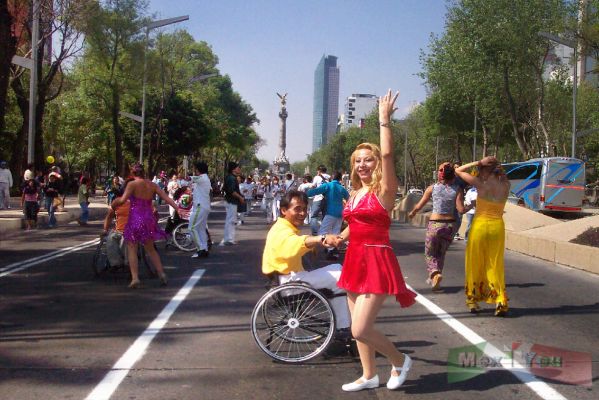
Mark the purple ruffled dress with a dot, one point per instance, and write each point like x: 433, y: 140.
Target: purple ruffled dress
x: 141, y: 225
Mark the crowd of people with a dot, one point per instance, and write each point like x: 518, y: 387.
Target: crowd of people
x: 341, y: 210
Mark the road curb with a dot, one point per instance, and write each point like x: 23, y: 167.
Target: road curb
x: 10, y: 226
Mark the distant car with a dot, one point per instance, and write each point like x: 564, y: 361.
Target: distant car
x: 415, y: 191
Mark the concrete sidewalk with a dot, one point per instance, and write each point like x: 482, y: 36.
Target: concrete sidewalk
x: 12, y: 221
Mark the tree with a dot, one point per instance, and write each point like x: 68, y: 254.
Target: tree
x: 58, y: 21
x: 8, y: 48
x: 113, y: 54
x: 491, y: 58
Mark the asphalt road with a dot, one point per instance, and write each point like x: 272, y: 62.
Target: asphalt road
x: 62, y: 331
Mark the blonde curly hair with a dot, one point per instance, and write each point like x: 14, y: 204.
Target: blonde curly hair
x: 377, y: 174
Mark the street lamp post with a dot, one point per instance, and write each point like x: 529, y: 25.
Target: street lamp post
x: 151, y: 25
x: 574, y: 45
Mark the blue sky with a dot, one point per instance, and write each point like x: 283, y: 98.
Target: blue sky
x: 270, y: 46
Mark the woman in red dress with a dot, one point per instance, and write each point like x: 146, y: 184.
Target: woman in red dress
x: 371, y: 272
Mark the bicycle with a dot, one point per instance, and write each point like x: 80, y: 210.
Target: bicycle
x: 101, y: 266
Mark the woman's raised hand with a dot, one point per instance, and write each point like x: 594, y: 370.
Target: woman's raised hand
x: 488, y: 161
x: 387, y: 107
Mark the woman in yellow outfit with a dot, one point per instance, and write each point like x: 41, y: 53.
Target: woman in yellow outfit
x: 485, y: 278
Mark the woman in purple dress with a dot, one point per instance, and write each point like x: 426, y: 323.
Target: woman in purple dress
x: 142, y: 226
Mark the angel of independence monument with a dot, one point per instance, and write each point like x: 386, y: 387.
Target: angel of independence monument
x: 281, y: 163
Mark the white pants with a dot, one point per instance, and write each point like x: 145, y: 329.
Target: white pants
x: 325, y: 278
x: 171, y: 210
x: 276, y: 206
x: 4, y: 195
x: 230, y: 222
x: 268, y: 209
x: 197, y: 226
x: 248, y: 204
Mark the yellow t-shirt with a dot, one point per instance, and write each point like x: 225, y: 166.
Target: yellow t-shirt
x: 284, y: 249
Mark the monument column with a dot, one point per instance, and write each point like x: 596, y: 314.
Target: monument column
x: 281, y: 163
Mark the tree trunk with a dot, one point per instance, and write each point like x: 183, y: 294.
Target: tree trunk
x: 19, y: 148
x: 38, y: 142
x: 116, y: 128
x: 8, y: 48
x: 485, y: 139
x: 513, y: 117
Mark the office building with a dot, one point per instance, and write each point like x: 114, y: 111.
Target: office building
x: 357, y: 108
x: 326, y: 101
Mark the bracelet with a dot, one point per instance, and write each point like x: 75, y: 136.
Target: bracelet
x: 386, y: 124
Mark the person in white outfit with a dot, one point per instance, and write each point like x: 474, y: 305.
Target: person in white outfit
x: 171, y: 188
x: 5, y: 185
x: 470, y: 204
x: 277, y: 193
x: 267, y: 199
x: 200, y: 210
x: 304, y: 187
x: 248, y: 190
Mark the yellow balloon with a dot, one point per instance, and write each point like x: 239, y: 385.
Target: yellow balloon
x: 50, y: 159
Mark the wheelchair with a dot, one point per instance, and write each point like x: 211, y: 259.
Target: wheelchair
x: 102, y: 267
x: 293, y: 322
x: 178, y: 227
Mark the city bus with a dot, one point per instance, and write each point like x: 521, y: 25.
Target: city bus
x: 547, y: 184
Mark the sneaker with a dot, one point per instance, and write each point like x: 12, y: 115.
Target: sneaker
x: 202, y: 253
x: 223, y: 243
x: 195, y: 255
x: 457, y: 237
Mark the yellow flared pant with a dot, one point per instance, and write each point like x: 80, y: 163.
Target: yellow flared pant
x: 485, y: 277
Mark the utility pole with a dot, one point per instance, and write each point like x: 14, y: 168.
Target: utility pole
x: 33, y: 82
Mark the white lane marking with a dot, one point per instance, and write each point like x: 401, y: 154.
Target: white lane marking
x: 542, y: 389
x: 119, y: 371
x: 21, y: 265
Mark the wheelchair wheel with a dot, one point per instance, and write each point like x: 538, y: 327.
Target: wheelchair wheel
x: 293, y: 323
x: 100, y: 260
x: 182, y: 237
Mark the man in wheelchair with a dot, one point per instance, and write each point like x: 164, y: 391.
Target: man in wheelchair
x: 116, y: 251
x: 283, y: 253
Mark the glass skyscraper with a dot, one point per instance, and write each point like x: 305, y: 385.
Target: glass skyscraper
x: 326, y: 101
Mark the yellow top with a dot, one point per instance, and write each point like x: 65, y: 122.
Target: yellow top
x: 284, y: 249
x: 489, y: 208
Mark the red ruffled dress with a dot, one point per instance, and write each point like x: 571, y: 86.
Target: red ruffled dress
x: 370, y: 265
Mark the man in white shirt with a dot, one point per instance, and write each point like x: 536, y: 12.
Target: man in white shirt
x: 171, y: 188
x: 200, y: 210
x: 5, y: 185
x: 248, y: 189
x: 304, y: 187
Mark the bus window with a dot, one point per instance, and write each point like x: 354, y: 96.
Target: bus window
x: 521, y: 172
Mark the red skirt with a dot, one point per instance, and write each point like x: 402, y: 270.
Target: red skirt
x: 370, y: 268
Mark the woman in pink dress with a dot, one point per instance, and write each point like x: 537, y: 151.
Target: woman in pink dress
x: 371, y: 272
x: 142, y: 226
